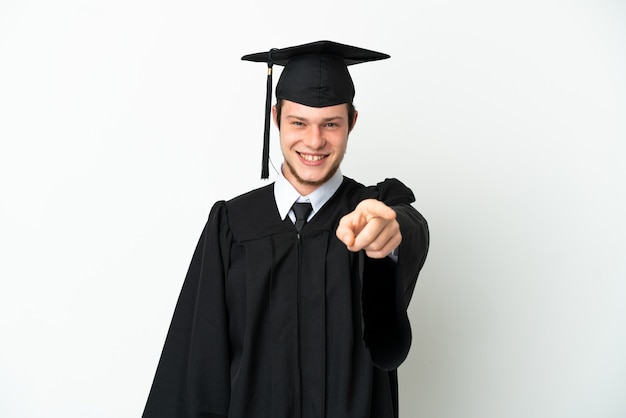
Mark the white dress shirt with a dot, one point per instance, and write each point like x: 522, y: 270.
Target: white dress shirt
x: 286, y: 195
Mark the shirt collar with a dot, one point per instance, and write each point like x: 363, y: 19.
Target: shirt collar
x: 286, y: 195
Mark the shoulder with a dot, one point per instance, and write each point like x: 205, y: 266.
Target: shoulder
x: 252, y: 214
x: 253, y: 197
x: 391, y: 191
x: 242, y: 207
x: 394, y: 192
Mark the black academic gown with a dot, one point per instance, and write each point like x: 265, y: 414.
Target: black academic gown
x: 272, y: 323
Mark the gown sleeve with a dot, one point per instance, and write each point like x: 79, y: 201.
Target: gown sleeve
x: 388, y: 286
x: 193, y: 376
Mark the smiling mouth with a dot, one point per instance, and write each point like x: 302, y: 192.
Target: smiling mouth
x: 311, y: 158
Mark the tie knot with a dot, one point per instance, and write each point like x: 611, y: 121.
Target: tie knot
x: 302, y: 210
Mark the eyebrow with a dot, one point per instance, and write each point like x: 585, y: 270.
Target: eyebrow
x: 301, y: 118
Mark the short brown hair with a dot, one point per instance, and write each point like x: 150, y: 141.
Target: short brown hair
x: 351, y: 113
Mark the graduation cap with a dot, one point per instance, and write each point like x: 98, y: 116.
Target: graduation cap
x: 315, y: 74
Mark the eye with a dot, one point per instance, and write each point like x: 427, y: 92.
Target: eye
x: 297, y: 123
x: 332, y: 125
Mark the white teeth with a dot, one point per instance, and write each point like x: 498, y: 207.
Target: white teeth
x: 312, y: 158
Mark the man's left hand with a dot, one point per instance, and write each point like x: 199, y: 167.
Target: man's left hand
x: 372, y: 227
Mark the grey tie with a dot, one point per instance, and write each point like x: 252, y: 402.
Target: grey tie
x: 302, y: 211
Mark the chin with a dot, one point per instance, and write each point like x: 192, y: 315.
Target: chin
x: 307, y: 178
x: 310, y: 180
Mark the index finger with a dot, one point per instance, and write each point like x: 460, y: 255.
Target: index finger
x: 372, y: 208
x: 348, y: 228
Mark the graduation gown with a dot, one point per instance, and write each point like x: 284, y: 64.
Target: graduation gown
x: 272, y: 323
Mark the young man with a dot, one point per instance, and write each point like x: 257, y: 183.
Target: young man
x: 295, y: 301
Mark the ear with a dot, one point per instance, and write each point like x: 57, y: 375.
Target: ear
x: 274, y: 116
x: 356, y: 116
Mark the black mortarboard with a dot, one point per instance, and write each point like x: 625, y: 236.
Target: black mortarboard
x: 315, y: 74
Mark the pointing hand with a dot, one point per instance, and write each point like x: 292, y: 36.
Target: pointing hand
x: 372, y: 227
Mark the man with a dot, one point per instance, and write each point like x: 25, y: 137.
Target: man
x: 295, y: 301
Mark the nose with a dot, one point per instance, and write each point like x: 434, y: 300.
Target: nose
x: 315, y: 139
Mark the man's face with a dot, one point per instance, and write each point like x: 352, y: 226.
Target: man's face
x: 313, y: 141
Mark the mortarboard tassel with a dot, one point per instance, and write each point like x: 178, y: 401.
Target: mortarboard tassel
x: 265, y: 170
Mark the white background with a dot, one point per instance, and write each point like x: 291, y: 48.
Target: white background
x: 121, y: 122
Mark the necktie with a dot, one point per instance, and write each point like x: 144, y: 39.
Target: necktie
x: 302, y: 211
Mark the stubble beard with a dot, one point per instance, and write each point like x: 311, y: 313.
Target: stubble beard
x: 316, y: 183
